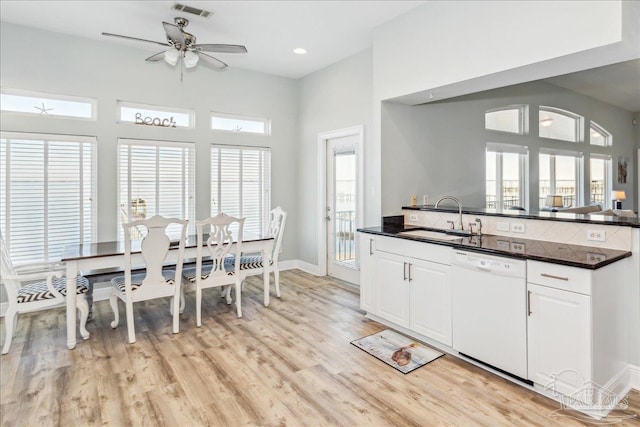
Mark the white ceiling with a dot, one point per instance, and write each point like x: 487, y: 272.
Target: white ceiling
x: 329, y: 30
x: 617, y: 84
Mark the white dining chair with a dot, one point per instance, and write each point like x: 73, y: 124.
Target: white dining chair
x: 253, y: 264
x: 217, y: 273
x: 153, y: 282
x: 34, y: 287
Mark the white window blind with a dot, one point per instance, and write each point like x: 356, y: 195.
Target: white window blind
x: 156, y: 178
x: 47, y: 193
x: 241, y: 184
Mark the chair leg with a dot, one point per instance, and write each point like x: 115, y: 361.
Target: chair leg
x: 10, y: 321
x: 83, y: 308
x: 276, y: 279
x: 113, y: 301
x: 176, y: 301
x: 228, y: 293
x: 238, y: 297
x: 198, y: 306
x: 182, y: 301
x: 131, y: 328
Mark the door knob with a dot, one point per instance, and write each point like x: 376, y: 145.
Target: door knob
x: 328, y: 218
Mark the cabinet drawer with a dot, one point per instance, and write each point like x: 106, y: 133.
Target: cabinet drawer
x: 560, y: 277
x: 419, y: 250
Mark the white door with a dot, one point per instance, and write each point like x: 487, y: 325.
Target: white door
x: 342, y: 202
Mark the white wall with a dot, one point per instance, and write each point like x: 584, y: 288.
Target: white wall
x: 439, y: 148
x: 107, y: 71
x: 336, y: 97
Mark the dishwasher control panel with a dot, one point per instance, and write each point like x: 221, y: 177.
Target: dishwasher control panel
x: 492, y: 264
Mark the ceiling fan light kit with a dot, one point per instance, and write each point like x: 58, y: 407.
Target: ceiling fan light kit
x: 183, y: 44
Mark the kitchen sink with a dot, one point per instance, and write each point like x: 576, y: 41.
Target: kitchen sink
x: 429, y: 234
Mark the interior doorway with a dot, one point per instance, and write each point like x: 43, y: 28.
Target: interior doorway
x: 342, y: 203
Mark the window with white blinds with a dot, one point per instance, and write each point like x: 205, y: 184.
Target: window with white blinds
x: 156, y: 178
x: 47, y: 193
x: 241, y: 184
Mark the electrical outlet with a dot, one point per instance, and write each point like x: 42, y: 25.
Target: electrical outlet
x: 413, y: 217
x: 502, y: 226
x: 517, y: 247
x: 596, y: 235
x: 517, y: 228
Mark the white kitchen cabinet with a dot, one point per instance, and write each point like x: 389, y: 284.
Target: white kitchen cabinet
x: 430, y: 304
x: 393, y: 287
x: 367, y: 243
x: 412, y: 285
x: 577, y: 332
x: 559, y: 351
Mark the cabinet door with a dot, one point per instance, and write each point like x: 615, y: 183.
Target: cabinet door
x: 559, y: 329
x: 430, y: 305
x: 367, y: 288
x: 393, y: 288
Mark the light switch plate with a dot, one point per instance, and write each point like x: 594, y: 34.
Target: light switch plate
x: 502, y: 226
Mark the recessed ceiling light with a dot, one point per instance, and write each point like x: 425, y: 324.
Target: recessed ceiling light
x: 299, y: 51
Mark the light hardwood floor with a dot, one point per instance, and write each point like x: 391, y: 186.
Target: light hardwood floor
x: 290, y: 364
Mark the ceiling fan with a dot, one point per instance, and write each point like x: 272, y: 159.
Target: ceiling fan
x: 183, y: 44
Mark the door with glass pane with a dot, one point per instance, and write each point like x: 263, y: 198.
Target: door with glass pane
x: 341, y: 215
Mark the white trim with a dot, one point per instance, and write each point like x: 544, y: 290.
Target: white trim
x: 323, y: 137
x: 634, y: 375
x: 54, y: 97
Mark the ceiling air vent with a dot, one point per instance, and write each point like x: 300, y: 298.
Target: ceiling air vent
x: 192, y: 10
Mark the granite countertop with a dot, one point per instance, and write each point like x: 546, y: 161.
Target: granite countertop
x: 542, y: 215
x: 552, y: 252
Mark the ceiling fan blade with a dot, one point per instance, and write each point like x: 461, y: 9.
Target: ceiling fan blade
x: 174, y: 32
x: 134, y: 38
x: 221, y: 48
x: 157, y: 57
x: 213, y: 62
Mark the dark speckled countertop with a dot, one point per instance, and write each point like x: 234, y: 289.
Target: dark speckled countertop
x: 556, y: 253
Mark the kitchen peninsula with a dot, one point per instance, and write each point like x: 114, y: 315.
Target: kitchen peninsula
x: 548, y: 300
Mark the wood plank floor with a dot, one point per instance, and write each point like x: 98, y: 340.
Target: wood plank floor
x: 290, y: 364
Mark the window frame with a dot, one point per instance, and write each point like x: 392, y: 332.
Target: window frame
x: 189, y: 184
x: 608, y: 178
x: 264, y: 120
x: 523, y: 118
x: 160, y: 108
x: 607, y: 136
x: 579, y: 172
x: 578, y: 127
x: 83, y: 225
x: 52, y: 96
x: 216, y: 204
x: 523, y: 176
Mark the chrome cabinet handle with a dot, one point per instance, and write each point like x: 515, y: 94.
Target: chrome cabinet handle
x: 370, y: 246
x: 551, y: 276
x: 404, y: 271
x: 410, y: 278
x: 528, y: 303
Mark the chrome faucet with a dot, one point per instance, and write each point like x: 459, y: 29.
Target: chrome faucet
x: 477, y: 223
x: 459, y: 207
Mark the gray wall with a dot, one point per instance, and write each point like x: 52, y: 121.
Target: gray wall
x: 107, y: 71
x: 336, y: 97
x: 439, y: 148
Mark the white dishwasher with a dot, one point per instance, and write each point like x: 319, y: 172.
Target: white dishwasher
x: 489, y: 303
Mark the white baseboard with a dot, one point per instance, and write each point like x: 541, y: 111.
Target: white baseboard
x: 634, y: 373
x: 300, y: 265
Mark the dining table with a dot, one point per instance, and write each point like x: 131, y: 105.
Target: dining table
x: 92, y: 257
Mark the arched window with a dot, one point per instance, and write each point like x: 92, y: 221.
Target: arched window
x: 599, y: 135
x: 511, y: 119
x: 555, y: 123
